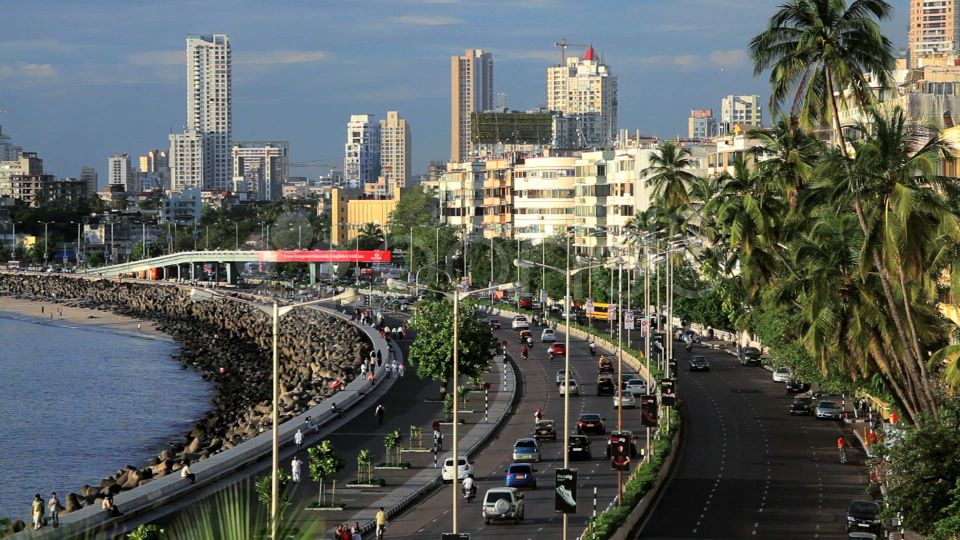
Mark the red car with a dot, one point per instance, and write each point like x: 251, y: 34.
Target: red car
x: 556, y: 349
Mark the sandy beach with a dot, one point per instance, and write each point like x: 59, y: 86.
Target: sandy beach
x: 78, y: 316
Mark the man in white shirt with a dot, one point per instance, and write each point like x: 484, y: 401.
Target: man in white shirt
x: 298, y: 438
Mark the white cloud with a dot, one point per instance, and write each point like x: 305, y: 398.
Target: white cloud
x: 733, y: 59
x: 158, y: 58
x: 32, y: 46
x: 281, y: 57
x: 428, y: 20
x: 728, y: 59
x: 28, y: 72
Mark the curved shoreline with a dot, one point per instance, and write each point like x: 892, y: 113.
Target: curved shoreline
x: 227, y: 343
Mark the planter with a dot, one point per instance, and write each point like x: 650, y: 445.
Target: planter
x: 394, y: 467
x: 326, y: 507
x: 416, y: 450
x: 375, y: 483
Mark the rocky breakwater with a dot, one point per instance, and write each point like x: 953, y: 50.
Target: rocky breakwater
x: 230, y: 343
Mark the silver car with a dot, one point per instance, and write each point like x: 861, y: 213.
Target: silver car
x: 828, y: 410
x: 503, y: 503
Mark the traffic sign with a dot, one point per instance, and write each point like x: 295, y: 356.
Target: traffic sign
x: 628, y: 319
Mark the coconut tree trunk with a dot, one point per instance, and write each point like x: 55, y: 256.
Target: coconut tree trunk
x: 836, y: 115
x: 921, y: 365
x: 892, y: 379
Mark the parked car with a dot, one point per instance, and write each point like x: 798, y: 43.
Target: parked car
x: 545, y: 430
x: 495, y: 324
x: 548, y: 335
x: 624, y: 398
x: 591, y: 424
x: 556, y: 349
x: 579, y: 447
x: 802, y: 406
x: 699, y: 363
x: 605, y: 386
x: 796, y: 386
x: 464, y: 469
x: 571, y: 387
x: 503, y: 503
x: 864, y: 516
x: 637, y: 387
x: 519, y: 323
x: 750, y: 356
x: 526, y: 449
x: 781, y: 374
x: 520, y: 475
x: 828, y: 410
x: 631, y: 437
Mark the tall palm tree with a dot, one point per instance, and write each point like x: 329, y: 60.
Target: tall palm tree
x: 669, y: 174
x: 370, y: 236
x: 820, y: 48
x: 785, y: 157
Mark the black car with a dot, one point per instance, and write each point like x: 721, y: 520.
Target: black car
x: 750, y: 356
x: 579, y: 447
x: 605, y: 385
x: 699, y: 363
x: 802, y: 406
x: 864, y: 516
x: 591, y: 424
x: 494, y: 324
x: 797, y: 387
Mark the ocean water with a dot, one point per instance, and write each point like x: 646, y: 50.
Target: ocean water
x: 79, y: 403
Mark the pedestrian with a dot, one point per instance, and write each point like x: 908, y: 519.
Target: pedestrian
x: 379, y: 358
x: 41, y: 312
x: 37, y: 512
x: 379, y: 412
x: 402, y: 368
x: 395, y: 366
x: 298, y: 438
x: 338, y: 532
x: 355, y: 533
x: 335, y: 411
x: 295, y: 468
x: 346, y: 534
x: 185, y: 472
x: 54, y: 505
x: 381, y: 522
x: 138, y: 327
x: 371, y: 378
x: 363, y: 369
x: 111, y: 508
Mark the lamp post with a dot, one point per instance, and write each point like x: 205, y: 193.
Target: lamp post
x: 275, y: 311
x: 236, y: 235
x: 45, y: 224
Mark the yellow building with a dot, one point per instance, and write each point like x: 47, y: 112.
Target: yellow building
x: 347, y: 215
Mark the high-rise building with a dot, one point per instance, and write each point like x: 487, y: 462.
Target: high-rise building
x: 740, y: 110
x: 88, y: 175
x: 934, y: 30
x: 361, y: 161
x: 471, y: 90
x: 395, y: 147
x: 209, y: 116
x: 261, y: 167
x: 8, y: 151
x: 701, y: 124
x: 121, y: 172
x: 543, y: 197
x: 154, y: 161
x: 585, y: 90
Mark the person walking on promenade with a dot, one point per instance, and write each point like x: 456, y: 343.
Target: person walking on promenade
x: 298, y: 438
x: 54, y: 505
x: 37, y: 512
x: 379, y: 412
x: 402, y: 369
x: 295, y: 465
x: 363, y: 369
x: 381, y: 522
x: 185, y: 472
x: 355, y: 533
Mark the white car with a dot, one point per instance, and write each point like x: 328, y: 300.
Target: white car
x: 781, y: 374
x: 548, y: 335
x: 626, y: 399
x: 573, y: 387
x: 465, y: 468
x: 636, y: 387
x: 520, y: 323
x: 561, y: 374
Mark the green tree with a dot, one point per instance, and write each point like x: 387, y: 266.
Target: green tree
x: 364, y: 467
x: 264, y: 489
x: 669, y: 175
x: 147, y: 531
x: 416, y: 208
x: 370, y: 236
x: 432, y: 350
x: 324, y: 463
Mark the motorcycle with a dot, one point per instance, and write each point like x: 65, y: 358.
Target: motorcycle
x: 469, y: 495
x: 593, y: 349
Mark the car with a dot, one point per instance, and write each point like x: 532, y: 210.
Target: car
x: 626, y: 378
x: 624, y: 398
x: 579, y: 447
x: 828, y: 410
x: 525, y: 303
x: 572, y: 386
x: 519, y: 323
x: 504, y: 503
x: 781, y: 374
x: 605, y: 386
x: 464, y: 469
x: 630, y: 436
x: 548, y: 335
x: 750, y: 356
x: 605, y: 365
x: 796, y: 386
x: 864, y: 516
x: 545, y: 430
x: 520, y: 475
x: 636, y: 386
x: 560, y: 376
x: 556, y: 349
x: 699, y: 363
x: 526, y: 449
x: 591, y: 424
x: 801, y: 406
x: 495, y: 324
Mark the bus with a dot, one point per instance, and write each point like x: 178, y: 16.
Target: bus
x: 600, y: 311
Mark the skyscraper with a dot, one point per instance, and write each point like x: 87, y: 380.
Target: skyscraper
x: 209, y: 126
x: 471, y: 90
x: 361, y: 153
x: 586, y: 92
x: 88, y: 175
x: 262, y: 167
x: 121, y: 172
x: 934, y: 30
x: 395, y: 147
x: 742, y: 110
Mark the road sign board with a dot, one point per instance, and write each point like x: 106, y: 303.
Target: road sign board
x: 628, y: 319
x: 565, y: 495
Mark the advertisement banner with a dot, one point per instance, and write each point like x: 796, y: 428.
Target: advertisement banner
x: 612, y: 312
x: 314, y: 256
x: 588, y: 306
x: 565, y: 495
x: 628, y: 319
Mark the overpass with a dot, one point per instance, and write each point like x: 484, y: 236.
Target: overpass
x: 185, y: 264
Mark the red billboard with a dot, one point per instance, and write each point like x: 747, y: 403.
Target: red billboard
x: 313, y: 256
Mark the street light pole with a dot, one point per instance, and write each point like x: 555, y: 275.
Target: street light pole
x: 456, y: 408
x: 646, y: 337
x: 45, y: 253
x: 236, y: 235
x: 567, y: 307
x: 275, y: 458
x: 619, y: 322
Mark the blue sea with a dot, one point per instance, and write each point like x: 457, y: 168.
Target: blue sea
x: 79, y: 403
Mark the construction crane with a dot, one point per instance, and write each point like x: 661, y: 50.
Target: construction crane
x: 563, y: 44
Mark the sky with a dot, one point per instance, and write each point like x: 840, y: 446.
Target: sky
x: 84, y: 79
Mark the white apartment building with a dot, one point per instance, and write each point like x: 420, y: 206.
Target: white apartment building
x: 361, y: 161
x: 209, y: 115
x: 543, y: 197
x: 585, y: 90
x: 395, y: 150
x: 8, y: 150
x: 742, y: 110
x: 262, y: 167
x: 460, y: 193
x: 471, y: 90
x: 187, y: 166
x: 121, y: 172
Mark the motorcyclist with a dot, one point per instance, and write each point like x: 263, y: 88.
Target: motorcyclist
x: 842, y: 448
x: 538, y: 415
x: 593, y: 347
x: 469, y: 488
x: 524, y: 352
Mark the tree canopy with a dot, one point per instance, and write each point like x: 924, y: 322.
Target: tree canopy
x: 432, y: 350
